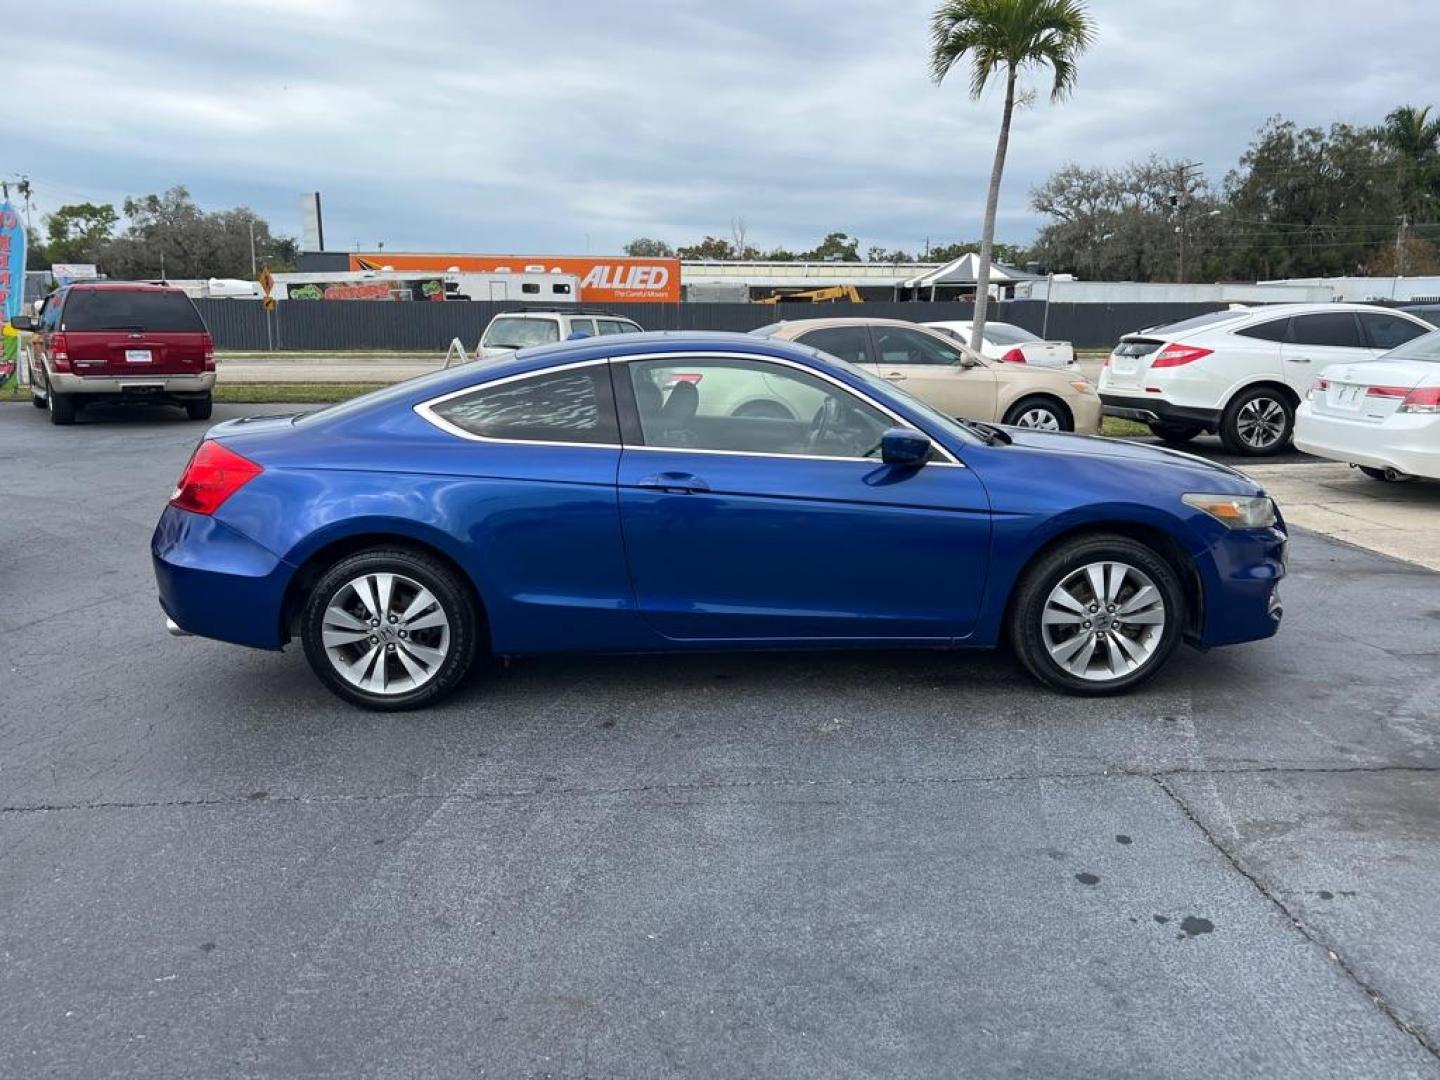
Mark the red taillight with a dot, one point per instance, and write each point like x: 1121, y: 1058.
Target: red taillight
x: 212, y: 475
x: 1175, y: 355
x: 1387, y: 391
x: 1014, y: 356
x: 1319, y: 386
x: 209, y: 353
x: 1423, y: 399
x: 59, y: 352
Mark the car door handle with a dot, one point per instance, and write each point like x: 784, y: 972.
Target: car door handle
x: 895, y: 376
x: 1298, y: 359
x: 677, y: 483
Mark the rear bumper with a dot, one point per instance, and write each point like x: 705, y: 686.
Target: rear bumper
x: 216, y: 583
x: 133, y: 385
x: 1409, y: 443
x: 1152, y: 409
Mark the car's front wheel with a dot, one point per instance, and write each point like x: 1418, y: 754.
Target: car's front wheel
x: 1097, y: 615
x: 1044, y: 413
x: 390, y: 630
x: 1258, y: 422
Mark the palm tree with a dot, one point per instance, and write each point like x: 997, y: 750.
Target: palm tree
x: 1006, y: 35
x: 1415, y: 138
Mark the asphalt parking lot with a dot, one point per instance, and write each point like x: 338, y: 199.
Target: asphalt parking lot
x: 900, y: 864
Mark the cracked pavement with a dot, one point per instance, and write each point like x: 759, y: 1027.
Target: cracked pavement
x: 867, y: 864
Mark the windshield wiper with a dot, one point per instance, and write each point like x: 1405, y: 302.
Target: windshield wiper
x: 989, y: 434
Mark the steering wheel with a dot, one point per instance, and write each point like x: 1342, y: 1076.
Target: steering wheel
x: 825, y: 420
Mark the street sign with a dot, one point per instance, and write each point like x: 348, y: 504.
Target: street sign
x: 269, y: 303
x: 267, y: 281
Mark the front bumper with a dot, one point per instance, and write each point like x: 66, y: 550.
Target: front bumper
x: 1148, y: 410
x: 1087, y: 413
x: 216, y: 583
x: 1407, y: 442
x: 1242, y: 599
x: 133, y: 385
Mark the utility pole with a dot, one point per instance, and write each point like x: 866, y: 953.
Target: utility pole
x: 1180, y: 200
x: 1401, y: 235
x: 254, y: 270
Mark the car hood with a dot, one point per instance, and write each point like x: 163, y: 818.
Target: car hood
x: 1229, y: 481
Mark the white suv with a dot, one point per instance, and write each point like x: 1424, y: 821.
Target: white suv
x: 1242, y: 372
x: 511, y: 330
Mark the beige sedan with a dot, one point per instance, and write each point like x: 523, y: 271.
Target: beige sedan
x: 947, y: 375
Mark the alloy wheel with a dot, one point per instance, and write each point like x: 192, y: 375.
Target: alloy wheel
x: 385, y: 633
x: 1260, y: 423
x: 1038, y: 417
x: 1103, y: 621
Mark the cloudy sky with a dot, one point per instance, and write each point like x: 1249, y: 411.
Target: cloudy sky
x: 511, y: 125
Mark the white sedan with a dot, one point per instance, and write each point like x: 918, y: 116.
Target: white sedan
x: 1382, y: 415
x: 1011, y: 343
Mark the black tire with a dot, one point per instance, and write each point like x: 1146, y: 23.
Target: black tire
x: 1040, y: 403
x: 1174, y: 432
x: 201, y: 409
x: 1027, y: 632
x: 1380, y: 474
x: 61, y: 406
x: 36, y: 400
x: 454, y: 598
x: 1260, y: 399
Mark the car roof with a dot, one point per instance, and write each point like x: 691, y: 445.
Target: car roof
x: 1272, y: 310
x: 545, y: 313
x: 790, y: 327
x: 121, y: 286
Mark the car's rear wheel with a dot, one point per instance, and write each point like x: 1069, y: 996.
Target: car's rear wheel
x: 1258, y: 422
x: 61, y: 406
x: 1097, y: 615
x: 1043, y: 413
x: 1170, y: 431
x: 390, y: 630
x: 200, y: 409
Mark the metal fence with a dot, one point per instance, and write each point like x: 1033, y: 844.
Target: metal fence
x: 380, y: 325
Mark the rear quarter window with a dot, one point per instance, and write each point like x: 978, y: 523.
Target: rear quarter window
x: 573, y: 406
x: 1274, y: 330
x: 143, y: 310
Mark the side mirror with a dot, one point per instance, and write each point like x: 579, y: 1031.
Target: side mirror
x: 23, y: 322
x: 967, y: 362
x: 904, y: 446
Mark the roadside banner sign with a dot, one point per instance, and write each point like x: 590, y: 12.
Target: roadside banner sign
x: 12, y: 284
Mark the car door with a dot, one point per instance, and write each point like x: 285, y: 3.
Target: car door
x: 760, y: 528
x: 938, y: 373
x: 1318, y: 340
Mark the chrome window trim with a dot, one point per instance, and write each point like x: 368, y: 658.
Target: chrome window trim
x: 426, y: 409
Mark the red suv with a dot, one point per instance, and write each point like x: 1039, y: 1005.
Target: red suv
x: 119, y: 342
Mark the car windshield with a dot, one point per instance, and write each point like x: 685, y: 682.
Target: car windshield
x: 1196, y: 322
x: 520, y: 333
x: 1425, y: 347
x: 149, y: 310
x: 1005, y: 334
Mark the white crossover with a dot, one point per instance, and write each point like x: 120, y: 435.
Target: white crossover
x: 1242, y: 372
x: 1012, y: 344
x: 1380, y: 415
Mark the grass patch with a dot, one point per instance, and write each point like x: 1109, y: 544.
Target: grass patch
x: 277, y: 393
x: 1117, y: 428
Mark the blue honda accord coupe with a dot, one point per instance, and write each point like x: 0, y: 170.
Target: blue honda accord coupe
x: 653, y: 492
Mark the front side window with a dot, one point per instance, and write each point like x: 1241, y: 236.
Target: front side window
x: 751, y: 406
x: 520, y: 333
x: 1388, y: 331
x: 1332, y: 329
x: 896, y: 345
x: 572, y: 406
x: 848, y: 343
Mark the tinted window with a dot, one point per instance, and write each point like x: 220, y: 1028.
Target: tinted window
x: 899, y: 345
x: 562, y: 287
x: 1388, y: 331
x: 751, y: 406
x: 846, y: 342
x: 1334, y: 329
x: 152, y: 311
x: 529, y: 287
x: 1274, y: 330
x: 1005, y: 334
x: 613, y: 326
x: 582, y: 326
x: 518, y: 333
x: 50, y: 316
x: 564, y: 406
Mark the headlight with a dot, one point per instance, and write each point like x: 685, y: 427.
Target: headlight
x: 1083, y: 386
x: 1236, y: 511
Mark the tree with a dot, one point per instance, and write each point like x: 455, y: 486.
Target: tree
x: 877, y: 254
x: 1415, y: 140
x: 836, y: 247
x: 169, y: 236
x: 1006, y: 36
x: 646, y: 248
x: 78, y: 232
x: 712, y: 247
